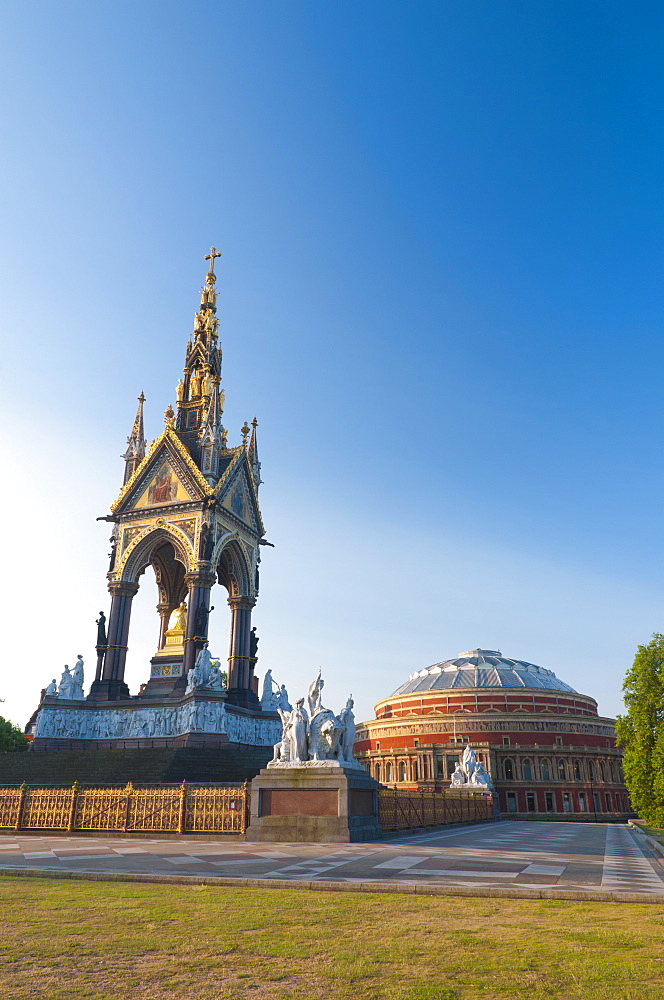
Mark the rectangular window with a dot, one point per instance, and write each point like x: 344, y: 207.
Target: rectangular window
x: 377, y: 746
x: 609, y: 804
x: 582, y: 802
x: 530, y: 802
x: 548, y: 797
x: 511, y: 802
x: 596, y: 802
x: 567, y: 804
x: 416, y: 742
x: 559, y: 741
x: 451, y: 765
x: 506, y: 741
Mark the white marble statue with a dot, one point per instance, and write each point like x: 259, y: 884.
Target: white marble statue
x: 66, y: 688
x: 268, y: 697
x: 458, y: 777
x: 347, y: 719
x: 52, y: 689
x: 204, y: 674
x: 78, y: 678
x: 325, y: 732
x: 481, y: 777
x: 282, y: 699
x: 203, y: 663
x: 215, y: 680
x: 314, y: 695
x: 468, y: 761
x: 297, y: 732
x: 282, y: 748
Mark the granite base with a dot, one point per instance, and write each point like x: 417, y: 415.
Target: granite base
x: 313, y: 805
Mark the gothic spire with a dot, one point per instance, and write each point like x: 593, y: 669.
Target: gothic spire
x: 199, y: 385
x: 253, y: 454
x: 136, y: 442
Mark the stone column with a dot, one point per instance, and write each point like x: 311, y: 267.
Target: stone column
x: 199, y: 585
x: 240, y: 662
x: 100, y: 661
x: 165, y: 610
x: 112, y: 684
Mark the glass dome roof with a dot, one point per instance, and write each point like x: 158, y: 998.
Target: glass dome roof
x: 482, y: 668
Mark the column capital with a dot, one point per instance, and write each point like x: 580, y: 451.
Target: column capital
x: 241, y: 603
x: 200, y: 578
x: 122, y: 588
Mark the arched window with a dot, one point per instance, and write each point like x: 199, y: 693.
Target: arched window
x: 602, y: 775
x: 544, y: 770
x: 577, y: 771
x: 402, y: 771
x: 612, y: 770
x: 509, y: 770
x: 377, y: 771
x: 561, y: 770
x: 591, y: 770
x: 388, y: 771
x: 527, y: 769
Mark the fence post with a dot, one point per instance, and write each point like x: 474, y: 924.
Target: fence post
x: 246, y: 799
x: 21, y: 804
x: 182, y: 814
x: 72, y: 806
x: 128, y: 790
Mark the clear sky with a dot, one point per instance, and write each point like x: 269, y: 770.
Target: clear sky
x: 442, y: 228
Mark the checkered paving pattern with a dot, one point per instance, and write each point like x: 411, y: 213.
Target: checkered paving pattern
x: 588, y: 857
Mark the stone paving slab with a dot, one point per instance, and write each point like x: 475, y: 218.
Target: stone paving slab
x: 503, y: 859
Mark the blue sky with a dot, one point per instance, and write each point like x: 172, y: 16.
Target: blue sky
x: 440, y: 295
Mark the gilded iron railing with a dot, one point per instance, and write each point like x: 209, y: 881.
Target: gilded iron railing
x: 171, y: 809
x: 406, y: 810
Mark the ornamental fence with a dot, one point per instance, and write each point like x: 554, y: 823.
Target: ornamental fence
x: 166, y: 809
x: 203, y: 809
x: 404, y: 810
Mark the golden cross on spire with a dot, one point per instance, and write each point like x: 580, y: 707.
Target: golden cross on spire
x: 211, y: 256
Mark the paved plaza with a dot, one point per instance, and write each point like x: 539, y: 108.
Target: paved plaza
x: 588, y: 857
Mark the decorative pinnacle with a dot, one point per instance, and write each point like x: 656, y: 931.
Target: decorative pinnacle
x: 169, y: 417
x: 211, y: 256
x: 244, y: 431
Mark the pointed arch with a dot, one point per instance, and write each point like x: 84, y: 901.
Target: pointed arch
x: 140, y: 554
x: 233, y: 569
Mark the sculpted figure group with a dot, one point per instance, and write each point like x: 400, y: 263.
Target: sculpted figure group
x: 314, y: 734
x: 469, y: 771
x: 274, y: 697
x: 71, y: 683
x: 205, y: 673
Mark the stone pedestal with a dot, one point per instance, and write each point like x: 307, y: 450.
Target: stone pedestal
x: 477, y: 792
x: 314, y: 802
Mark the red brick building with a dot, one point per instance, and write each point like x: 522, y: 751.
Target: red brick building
x: 546, y: 748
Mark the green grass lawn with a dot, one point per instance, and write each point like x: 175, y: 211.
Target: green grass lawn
x: 126, y: 941
x: 652, y: 831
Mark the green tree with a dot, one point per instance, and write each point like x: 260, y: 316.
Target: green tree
x: 11, y: 737
x: 641, y: 731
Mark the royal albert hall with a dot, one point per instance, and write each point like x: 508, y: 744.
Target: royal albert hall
x: 549, y: 753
